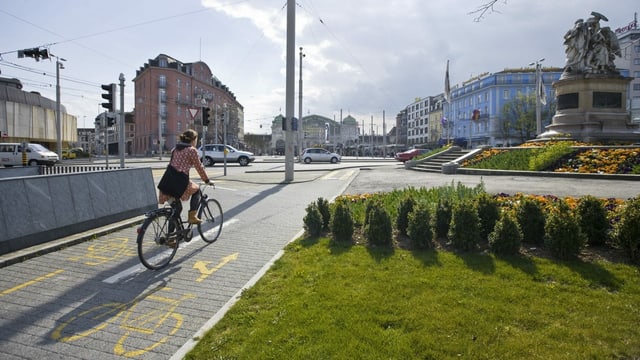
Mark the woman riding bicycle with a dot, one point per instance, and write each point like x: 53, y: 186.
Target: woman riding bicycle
x: 185, y: 156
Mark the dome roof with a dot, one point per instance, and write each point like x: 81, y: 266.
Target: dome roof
x: 349, y: 120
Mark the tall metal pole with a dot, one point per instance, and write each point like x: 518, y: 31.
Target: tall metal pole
x: 290, y: 88
x: 384, y: 136
x: 58, y: 117
x: 121, y: 122
x: 159, y: 126
x: 537, y: 92
x: 300, y: 131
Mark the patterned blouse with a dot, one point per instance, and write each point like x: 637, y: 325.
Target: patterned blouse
x: 183, y: 160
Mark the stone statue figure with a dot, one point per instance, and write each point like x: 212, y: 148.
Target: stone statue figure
x: 591, y: 48
x: 576, y: 42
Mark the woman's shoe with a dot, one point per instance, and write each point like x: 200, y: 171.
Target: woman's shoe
x: 193, y: 219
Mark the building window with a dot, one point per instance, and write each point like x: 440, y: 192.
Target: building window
x: 636, y: 74
x: 636, y: 87
x: 636, y: 61
x: 162, y: 81
x: 637, y: 49
x: 505, y: 94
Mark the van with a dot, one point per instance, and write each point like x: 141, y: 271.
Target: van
x: 11, y: 154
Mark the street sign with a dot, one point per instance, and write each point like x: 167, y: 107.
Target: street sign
x: 194, y: 112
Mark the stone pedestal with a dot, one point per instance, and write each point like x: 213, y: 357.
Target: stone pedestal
x: 592, y: 107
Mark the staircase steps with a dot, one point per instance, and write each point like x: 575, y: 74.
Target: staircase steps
x: 434, y: 163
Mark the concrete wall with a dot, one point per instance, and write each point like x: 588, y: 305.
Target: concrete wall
x: 38, y: 209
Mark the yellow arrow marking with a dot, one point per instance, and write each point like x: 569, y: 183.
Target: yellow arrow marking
x: 202, y: 266
x: 30, y: 282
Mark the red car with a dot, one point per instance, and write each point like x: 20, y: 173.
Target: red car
x: 410, y: 154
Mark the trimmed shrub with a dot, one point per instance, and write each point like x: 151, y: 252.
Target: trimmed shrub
x: 419, y: 227
x: 404, y: 209
x: 549, y: 154
x: 342, y: 223
x: 323, y: 207
x: 442, y: 219
x: 531, y: 220
x: 377, y: 226
x: 563, y: 236
x: 627, y: 231
x: 593, y: 221
x: 489, y: 213
x: 464, y: 231
x: 506, y: 237
x: 313, y: 220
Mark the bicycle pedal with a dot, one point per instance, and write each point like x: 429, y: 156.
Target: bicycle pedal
x: 188, y: 235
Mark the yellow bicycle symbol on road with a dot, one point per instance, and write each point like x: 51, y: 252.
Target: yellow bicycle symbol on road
x: 149, y: 314
x: 101, y: 252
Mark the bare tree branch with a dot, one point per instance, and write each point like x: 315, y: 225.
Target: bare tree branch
x: 486, y: 8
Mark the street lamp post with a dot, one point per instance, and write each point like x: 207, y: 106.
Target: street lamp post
x: 300, y: 131
x: 538, y: 65
x: 121, y: 123
x: 58, y: 115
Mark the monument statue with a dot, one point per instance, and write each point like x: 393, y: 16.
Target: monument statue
x: 591, y: 96
x: 590, y: 48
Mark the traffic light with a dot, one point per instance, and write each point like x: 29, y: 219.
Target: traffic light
x: 110, y: 96
x: 35, y: 53
x: 205, y: 116
x: 111, y: 120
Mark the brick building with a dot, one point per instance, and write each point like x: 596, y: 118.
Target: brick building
x: 169, y: 92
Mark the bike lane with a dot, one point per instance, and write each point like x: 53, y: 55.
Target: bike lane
x: 95, y: 300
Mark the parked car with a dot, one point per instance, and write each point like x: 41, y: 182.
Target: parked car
x: 410, y: 154
x: 11, y: 154
x: 318, y: 154
x: 68, y: 154
x: 214, y: 153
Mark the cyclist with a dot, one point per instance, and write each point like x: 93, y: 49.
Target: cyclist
x: 184, y: 157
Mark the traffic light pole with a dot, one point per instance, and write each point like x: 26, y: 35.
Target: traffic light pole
x: 106, y: 139
x: 121, y: 123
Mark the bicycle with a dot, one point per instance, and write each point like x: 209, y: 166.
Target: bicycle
x: 163, y: 230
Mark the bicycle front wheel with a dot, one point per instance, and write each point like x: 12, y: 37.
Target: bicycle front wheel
x: 157, y: 240
x: 211, y: 216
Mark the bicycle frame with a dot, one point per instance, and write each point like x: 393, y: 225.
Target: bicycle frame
x: 161, y: 233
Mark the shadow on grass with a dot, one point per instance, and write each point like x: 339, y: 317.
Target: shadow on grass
x: 483, y: 263
x: 428, y: 257
x: 520, y: 262
x: 339, y: 247
x: 309, y: 241
x: 598, y: 276
x: 379, y: 253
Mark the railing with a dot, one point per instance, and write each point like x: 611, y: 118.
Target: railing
x: 71, y: 169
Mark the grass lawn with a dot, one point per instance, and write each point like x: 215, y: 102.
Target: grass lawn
x: 324, y: 301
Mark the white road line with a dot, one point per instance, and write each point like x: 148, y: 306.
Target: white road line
x: 127, y: 273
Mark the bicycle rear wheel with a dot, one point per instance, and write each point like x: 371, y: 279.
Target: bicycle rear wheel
x: 211, y: 215
x: 157, y: 240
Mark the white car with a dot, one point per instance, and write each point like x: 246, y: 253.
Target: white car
x: 214, y: 153
x: 318, y: 154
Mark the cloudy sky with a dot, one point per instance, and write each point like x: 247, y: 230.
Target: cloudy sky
x: 362, y: 57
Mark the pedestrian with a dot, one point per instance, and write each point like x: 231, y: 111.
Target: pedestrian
x: 183, y: 157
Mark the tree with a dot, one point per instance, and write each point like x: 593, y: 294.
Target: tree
x: 486, y: 8
x: 520, y: 115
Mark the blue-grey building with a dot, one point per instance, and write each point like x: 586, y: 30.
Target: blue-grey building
x: 474, y: 115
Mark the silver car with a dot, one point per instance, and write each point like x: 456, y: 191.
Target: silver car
x: 318, y: 154
x: 214, y: 153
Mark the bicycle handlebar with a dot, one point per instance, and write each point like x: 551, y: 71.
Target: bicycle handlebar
x: 203, y: 185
